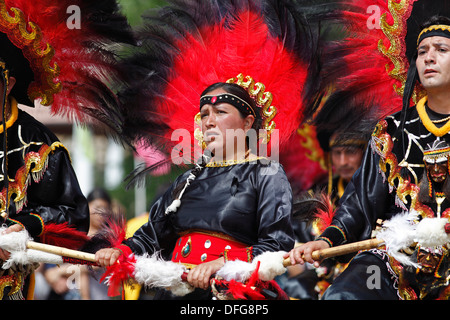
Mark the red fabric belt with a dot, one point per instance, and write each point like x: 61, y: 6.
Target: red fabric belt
x: 198, y: 247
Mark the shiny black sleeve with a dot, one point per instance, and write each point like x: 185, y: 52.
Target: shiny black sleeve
x: 275, y: 232
x: 157, y: 233
x: 56, y: 197
x: 366, y: 198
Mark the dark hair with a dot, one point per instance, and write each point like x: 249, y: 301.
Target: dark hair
x: 434, y: 20
x: 99, y: 193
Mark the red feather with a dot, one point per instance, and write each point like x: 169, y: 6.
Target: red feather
x: 119, y: 273
x: 369, y: 72
x: 252, y: 290
x: 218, y: 54
x: 83, y: 56
x: 63, y: 235
x: 325, y: 217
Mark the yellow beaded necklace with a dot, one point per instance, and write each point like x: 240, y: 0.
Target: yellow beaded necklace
x: 438, y: 132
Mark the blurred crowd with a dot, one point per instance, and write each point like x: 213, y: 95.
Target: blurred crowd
x: 80, y: 282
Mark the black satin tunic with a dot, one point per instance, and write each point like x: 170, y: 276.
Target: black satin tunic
x: 377, y: 192
x: 370, y: 195
x: 250, y: 202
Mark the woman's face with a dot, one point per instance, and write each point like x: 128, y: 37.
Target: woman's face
x: 98, y: 207
x: 224, y: 128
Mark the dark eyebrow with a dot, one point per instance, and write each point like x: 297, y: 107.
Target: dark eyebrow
x: 422, y: 47
x: 441, y: 44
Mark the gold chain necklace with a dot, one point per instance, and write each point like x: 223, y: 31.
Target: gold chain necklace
x: 441, y: 120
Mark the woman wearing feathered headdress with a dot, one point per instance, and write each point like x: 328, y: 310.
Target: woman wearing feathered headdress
x: 232, y: 74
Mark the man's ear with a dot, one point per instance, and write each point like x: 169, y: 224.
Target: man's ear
x: 12, y: 82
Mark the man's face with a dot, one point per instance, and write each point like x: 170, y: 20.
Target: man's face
x: 437, y: 171
x: 346, y: 160
x: 433, y: 63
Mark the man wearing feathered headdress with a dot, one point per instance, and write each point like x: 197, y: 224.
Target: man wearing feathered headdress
x: 344, y: 151
x: 388, y: 182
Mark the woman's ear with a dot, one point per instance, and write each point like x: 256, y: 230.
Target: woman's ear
x: 248, y: 122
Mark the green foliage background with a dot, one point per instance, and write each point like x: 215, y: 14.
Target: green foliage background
x: 155, y: 185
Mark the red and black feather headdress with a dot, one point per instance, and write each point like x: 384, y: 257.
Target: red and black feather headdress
x: 265, y: 46
x: 67, y: 68
x: 369, y: 67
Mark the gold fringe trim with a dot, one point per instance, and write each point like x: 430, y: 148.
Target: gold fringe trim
x: 382, y: 144
x: 399, y: 11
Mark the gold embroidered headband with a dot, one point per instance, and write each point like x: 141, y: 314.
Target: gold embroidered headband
x: 435, y: 30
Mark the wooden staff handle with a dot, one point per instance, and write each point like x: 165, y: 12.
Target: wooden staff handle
x: 319, y: 255
x: 64, y: 252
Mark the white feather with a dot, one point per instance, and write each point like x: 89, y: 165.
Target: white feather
x: 398, y: 233
x: 236, y: 270
x: 153, y: 271
x: 14, y: 241
x: 271, y: 265
x: 430, y: 232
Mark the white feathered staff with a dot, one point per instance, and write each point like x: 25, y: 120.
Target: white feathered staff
x: 153, y: 272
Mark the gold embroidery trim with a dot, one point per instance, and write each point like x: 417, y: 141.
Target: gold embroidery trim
x: 404, y: 188
x: 263, y: 99
x: 438, y: 132
x: 400, y: 11
x: 13, y: 22
x: 232, y: 162
x: 34, y: 168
